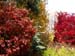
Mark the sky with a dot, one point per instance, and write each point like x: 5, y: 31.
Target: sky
x: 61, y: 5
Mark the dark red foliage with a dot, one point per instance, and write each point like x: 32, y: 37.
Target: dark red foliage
x: 16, y: 31
x: 65, y: 28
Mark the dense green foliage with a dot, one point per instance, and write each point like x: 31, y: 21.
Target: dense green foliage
x: 62, y: 51
x: 29, y: 4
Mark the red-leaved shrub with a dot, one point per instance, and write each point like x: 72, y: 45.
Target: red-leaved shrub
x: 16, y: 31
x: 65, y: 28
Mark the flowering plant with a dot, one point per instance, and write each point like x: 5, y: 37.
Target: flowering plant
x: 16, y: 31
x: 65, y: 28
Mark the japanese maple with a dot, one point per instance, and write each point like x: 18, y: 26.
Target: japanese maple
x: 65, y: 28
x: 16, y: 31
